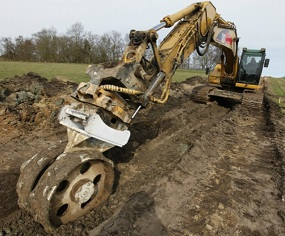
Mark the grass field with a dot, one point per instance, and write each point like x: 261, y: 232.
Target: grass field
x: 183, y: 74
x: 276, y: 87
x: 75, y: 72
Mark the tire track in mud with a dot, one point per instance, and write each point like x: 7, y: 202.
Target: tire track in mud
x: 239, y: 194
x: 224, y: 184
x: 180, y: 126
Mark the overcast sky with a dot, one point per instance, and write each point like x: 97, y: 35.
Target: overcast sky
x: 260, y: 23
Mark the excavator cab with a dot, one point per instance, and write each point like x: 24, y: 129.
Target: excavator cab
x: 250, y: 67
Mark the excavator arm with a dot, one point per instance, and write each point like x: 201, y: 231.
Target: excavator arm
x: 145, y: 72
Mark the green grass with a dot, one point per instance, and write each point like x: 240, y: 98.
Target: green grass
x: 75, y: 72
x: 182, y: 74
x: 277, y: 86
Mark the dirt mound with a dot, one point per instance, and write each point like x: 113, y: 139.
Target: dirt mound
x: 188, y: 169
x: 31, y: 100
x: 28, y: 119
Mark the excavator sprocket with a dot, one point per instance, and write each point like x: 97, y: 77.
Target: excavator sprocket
x: 65, y: 185
x: 200, y: 94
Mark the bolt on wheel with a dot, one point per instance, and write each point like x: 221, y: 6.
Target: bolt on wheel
x: 79, y: 192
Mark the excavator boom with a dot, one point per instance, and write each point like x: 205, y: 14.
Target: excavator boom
x: 122, y: 89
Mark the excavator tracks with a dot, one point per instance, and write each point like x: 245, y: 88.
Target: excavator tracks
x: 205, y: 94
x: 249, y: 99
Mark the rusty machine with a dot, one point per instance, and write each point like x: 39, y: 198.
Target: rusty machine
x: 64, y: 182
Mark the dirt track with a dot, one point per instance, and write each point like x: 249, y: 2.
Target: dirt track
x: 189, y: 169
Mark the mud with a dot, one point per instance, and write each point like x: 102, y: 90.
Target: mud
x: 189, y: 169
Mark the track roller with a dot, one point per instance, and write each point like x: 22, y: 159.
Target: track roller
x: 66, y: 188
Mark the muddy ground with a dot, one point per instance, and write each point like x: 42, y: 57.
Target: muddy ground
x: 189, y: 169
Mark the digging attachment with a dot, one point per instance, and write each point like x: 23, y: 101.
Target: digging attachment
x: 65, y: 181
x: 58, y: 188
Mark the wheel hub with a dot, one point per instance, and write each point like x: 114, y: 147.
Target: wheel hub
x: 83, y: 191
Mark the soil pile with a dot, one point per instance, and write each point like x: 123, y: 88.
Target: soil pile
x: 29, y: 105
x: 189, y: 169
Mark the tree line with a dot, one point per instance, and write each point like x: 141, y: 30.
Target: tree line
x: 79, y: 46
x: 75, y: 46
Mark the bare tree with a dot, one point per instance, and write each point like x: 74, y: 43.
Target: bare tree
x: 8, y: 49
x: 76, y: 46
x: 90, y: 47
x: 76, y: 32
x: 117, y: 45
x: 46, y: 45
x: 64, y: 49
x: 209, y: 60
x: 76, y: 35
x: 109, y: 47
x: 24, y: 49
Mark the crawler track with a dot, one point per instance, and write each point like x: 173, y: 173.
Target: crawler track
x: 200, y: 94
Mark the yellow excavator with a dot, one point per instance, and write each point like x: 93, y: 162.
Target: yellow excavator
x: 240, y: 82
x: 62, y: 183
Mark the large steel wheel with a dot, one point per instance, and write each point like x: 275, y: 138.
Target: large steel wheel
x: 32, y: 170
x: 72, y: 185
